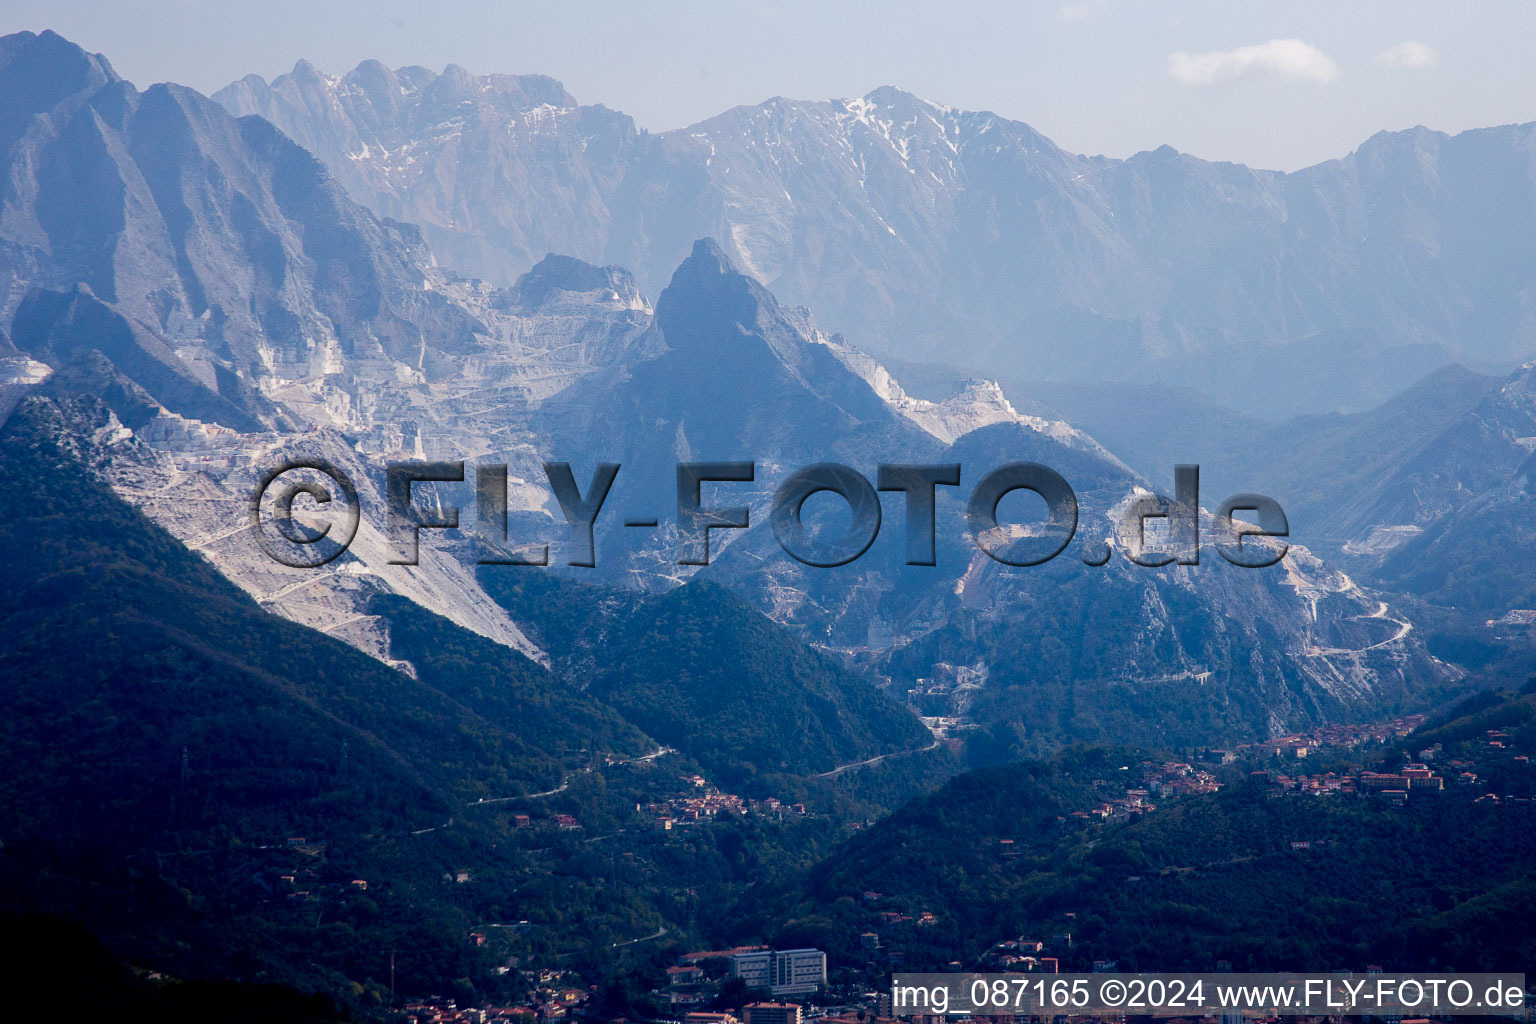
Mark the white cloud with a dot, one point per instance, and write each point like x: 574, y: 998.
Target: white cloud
x: 1284, y: 58
x: 1080, y: 11
x: 1408, y: 55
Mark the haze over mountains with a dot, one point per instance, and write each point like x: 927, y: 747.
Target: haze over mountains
x: 286, y: 319
x: 933, y: 234
x: 400, y: 265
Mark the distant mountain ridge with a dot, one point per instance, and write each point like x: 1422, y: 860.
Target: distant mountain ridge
x: 926, y: 232
x: 419, y: 144
x: 573, y: 363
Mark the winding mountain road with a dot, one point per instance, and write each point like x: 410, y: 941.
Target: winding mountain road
x: 875, y: 760
x: 1404, y: 627
x: 565, y: 783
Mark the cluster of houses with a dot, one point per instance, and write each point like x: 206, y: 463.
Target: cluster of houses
x: 1168, y: 780
x: 878, y: 1012
x: 547, y: 1000
x: 1340, y: 736
x: 1027, y: 954
x: 707, y: 803
x: 449, y: 1012
x: 1412, y: 779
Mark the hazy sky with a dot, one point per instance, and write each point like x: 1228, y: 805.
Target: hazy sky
x: 1278, y: 84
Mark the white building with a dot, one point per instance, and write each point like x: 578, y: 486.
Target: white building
x: 782, y: 972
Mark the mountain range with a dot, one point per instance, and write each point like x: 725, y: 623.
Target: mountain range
x: 572, y: 363
x: 397, y: 265
x: 924, y: 232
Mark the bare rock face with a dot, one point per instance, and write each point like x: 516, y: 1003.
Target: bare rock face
x: 962, y: 237
x: 220, y: 237
x: 498, y: 170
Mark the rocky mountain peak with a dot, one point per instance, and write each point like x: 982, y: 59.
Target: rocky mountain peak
x: 38, y: 72
x: 706, y: 260
x: 50, y: 61
x: 899, y: 102
x: 708, y: 300
x: 556, y: 276
x: 305, y: 71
